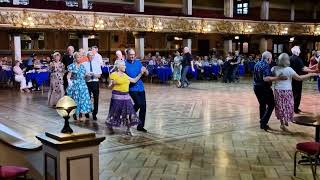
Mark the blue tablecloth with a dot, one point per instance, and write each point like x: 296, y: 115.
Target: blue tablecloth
x: 251, y: 66
x: 39, y: 77
x: 193, y: 73
x: 207, y: 71
x: 163, y: 73
x: 10, y: 74
x: 105, y: 69
x: 241, y: 70
x: 216, y: 69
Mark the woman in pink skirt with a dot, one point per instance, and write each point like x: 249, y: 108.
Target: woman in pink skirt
x: 283, y: 90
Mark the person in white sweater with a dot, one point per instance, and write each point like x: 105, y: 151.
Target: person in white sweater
x: 284, y: 104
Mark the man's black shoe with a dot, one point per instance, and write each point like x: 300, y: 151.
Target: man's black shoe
x: 94, y: 117
x: 142, y: 129
x: 265, y: 127
x: 87, y: 115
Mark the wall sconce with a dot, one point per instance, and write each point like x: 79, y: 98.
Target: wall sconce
x: 66, y: 107
x: 177, y: 39
x: 28, y: 22
x: 291, y: 39
x: 206, y: 28
x: 236, y: 37
x: 284, y: 31
x: 99, y: 24
x: 317, y: 31
x: 158, y: 26
x: 248, y: 29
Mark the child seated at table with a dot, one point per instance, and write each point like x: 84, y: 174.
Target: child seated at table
x: 19, y: 77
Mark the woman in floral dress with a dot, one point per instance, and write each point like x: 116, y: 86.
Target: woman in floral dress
x: 176, y: 68
x: 77, y: 87
x: 284, y: 104
x: 56, y: 90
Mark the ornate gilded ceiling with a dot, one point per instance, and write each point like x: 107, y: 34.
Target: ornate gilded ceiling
x: 17, y: 18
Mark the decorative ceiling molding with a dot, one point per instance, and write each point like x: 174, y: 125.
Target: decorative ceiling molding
x: 18, y: 18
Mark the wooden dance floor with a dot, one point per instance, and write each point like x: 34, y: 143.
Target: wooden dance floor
x: 208, y: 131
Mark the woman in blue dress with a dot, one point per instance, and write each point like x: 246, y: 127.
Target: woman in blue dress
x: 77, y: 87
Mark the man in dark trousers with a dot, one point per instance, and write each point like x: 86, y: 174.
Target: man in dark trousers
x: 67, y: 60
x: 93, y: 73
x: 187, y: 62
x: 136, y: 90
x: 298, y: 66
x: 262, y: 82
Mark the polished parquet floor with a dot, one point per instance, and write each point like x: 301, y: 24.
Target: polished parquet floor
x: 208, y: 131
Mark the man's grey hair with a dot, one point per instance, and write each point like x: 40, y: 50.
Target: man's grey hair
x: 282, y: 60
x: 266, y: 55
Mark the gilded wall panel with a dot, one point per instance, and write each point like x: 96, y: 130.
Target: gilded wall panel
x: 74, y: 20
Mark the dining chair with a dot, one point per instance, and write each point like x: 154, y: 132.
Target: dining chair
x: 311, y: 150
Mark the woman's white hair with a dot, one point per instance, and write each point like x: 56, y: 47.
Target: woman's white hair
x: 282, y: 59
x: 295, y: 50
x: 117, y: 64
x: 266, y: 55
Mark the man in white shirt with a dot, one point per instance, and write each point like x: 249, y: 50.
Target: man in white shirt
x: 96, y: 55
x: 93, y: 73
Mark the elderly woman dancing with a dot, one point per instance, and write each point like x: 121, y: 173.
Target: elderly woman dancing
x: 284, y: 107
x: 121, y: 111
x: 56, y: 90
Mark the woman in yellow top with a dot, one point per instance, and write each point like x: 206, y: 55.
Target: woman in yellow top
x: 121, y: 110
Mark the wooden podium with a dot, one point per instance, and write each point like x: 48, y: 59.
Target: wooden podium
x: 71, y: 156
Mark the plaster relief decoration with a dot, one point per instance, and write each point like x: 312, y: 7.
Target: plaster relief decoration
x: 225, y: 27
x: 62, y: 20
x: 299, y: 29
x: 11, y: 18
x: 126, y: 23
x: 17, y: 18
x: 144, y: 23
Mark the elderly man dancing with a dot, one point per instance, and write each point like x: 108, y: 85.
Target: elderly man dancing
x: 262, y: 82
x: 298, y: 66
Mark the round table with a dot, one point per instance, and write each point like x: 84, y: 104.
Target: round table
x: 313, y: 121
x: 39, y: 77
x: 163, y: 73
x: 105, y: 69
x: 193, y: 73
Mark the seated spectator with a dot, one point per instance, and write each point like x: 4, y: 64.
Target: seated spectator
x: 152, y: 61
x: 197, y: 62
x: 37, y: 64
x: 148, y: 57
x: 19, y: 77
x: 3, y: 75
x: 205, y: 62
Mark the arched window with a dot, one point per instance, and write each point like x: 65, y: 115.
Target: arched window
x: 242, y: 7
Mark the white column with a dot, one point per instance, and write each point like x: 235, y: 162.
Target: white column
x: 139, y: 5
x: 263, y: 45
x: 227, y: 46
x: 17, y: 47
x: 264, y: 10
x: 15, y: 2
x: 292, y: 11
x: 228, y: 8
x: 139, y: 46
x: 187, y: 43
x: 84, y: 4
x: 187, y: 7
x: 83, y: 43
